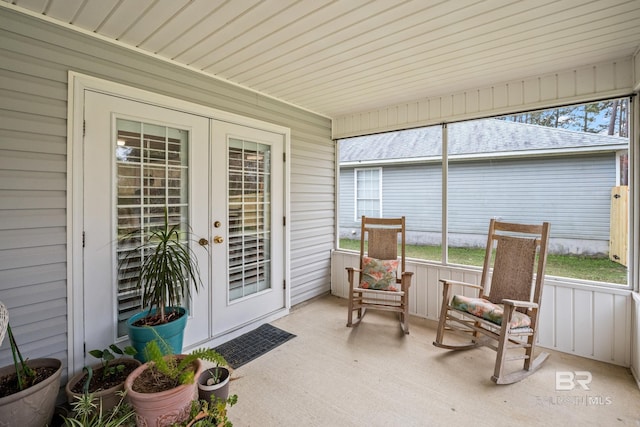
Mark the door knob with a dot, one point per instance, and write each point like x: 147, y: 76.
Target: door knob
x: 203, y: 242
x: 218, y: 239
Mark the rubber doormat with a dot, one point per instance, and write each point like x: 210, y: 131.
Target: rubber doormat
x: 253, y: 344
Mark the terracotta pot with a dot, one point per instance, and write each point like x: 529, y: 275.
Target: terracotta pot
x: 163, y: 408
x: 108, y: 397
x: 35, y: 405
x: 220, y: 390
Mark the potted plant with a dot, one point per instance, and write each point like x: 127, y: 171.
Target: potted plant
x: 210, y: 414
x: 161, y: 390
x: 88, y: 411
x: 28, y: 388
x: 213, y: 383
x: 104, y: 380
x: 165, y: 265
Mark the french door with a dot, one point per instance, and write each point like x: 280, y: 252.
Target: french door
x: 222, y: 181
x: 247, y: 253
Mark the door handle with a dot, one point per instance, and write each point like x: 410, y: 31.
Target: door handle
x: 218, y: 239
x: 203, y: 242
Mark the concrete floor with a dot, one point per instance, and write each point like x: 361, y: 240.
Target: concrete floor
x: 372, y: 375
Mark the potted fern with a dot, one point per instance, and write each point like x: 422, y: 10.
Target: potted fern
x: 165, y: 266
x: 161, y: 390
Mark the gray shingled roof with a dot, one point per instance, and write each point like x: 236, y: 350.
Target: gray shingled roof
x: 467, y: 138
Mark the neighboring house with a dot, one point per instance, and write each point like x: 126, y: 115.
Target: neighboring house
x: 497, y: 168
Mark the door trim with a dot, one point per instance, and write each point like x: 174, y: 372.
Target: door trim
x: 77, y: 84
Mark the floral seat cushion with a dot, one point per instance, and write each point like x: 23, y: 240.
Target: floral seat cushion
x: 379, y: 274
x: 489, y: 311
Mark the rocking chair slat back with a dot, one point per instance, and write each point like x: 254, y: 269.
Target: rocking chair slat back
x: 513, y: 269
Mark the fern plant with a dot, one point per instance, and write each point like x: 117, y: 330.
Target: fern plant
x: 177, y: 369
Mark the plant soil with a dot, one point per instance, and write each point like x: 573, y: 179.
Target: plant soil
x: 99, y: 384
x: 156, y: 319
x: 152, y: 381
x: 9, y: 383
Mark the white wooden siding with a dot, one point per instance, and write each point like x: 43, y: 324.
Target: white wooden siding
x: 34, y: 61
x: 588, y: 321
x: 588, y: 83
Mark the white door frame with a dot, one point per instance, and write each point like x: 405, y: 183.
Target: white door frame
x: 77, y: 84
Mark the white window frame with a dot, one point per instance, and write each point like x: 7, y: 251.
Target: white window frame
x: 358, y: 215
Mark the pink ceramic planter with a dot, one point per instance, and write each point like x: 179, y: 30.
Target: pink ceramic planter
x: 164, y: 408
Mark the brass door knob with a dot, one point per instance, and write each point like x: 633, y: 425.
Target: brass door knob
x: 218, y: 239
x: 203, y: 242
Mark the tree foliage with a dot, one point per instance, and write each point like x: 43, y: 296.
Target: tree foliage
x: 608, y: 117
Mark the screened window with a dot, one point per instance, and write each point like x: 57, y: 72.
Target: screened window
x: 568, y: 166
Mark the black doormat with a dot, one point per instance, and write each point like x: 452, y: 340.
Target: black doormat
x: 253, y: 344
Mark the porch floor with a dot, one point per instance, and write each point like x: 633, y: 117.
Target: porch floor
x: 373, y: 375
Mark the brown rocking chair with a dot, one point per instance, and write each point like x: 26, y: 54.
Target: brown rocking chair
x: 505, y: 315
x: 381, y: 282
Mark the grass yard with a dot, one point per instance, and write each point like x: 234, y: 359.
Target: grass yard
x: 573, y: 266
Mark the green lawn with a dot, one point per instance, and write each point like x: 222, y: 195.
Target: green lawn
x: 573, y: 266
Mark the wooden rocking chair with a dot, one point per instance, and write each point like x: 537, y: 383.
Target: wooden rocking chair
x: 505, y: 315
x: 381, y: 282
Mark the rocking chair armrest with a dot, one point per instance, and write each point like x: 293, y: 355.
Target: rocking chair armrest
x: 405, y: 280
x: 448, y: 282
x: 516, y: 303
x: 351, y: 275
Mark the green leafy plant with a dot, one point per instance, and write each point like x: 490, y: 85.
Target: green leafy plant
x: 207, y: 414
x: 25, y: 376
x: 165, y: 265
x: 216, y: 375
x: 88, y: 413
x: 175, y: 370
x: 107, y: 355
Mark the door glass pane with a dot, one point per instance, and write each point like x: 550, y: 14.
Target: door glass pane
x: 152, y: 172
x: 249, y: 218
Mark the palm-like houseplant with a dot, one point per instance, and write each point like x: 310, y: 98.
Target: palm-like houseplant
x: 166, y: 266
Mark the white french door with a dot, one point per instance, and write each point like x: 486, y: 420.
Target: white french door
x: 226, y: 181
x: 247, y: 212
x: 138, y: 159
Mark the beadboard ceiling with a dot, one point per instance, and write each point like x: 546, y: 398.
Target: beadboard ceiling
x: 337, y: 57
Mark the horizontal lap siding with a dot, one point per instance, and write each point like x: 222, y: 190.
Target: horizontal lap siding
x: 35, y: 58
x: 572, y: 193
x: 313, y: 217
x: 415, y: 193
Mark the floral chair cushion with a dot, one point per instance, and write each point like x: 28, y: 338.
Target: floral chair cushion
x: 489, y: 311
x: 379, y: 274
